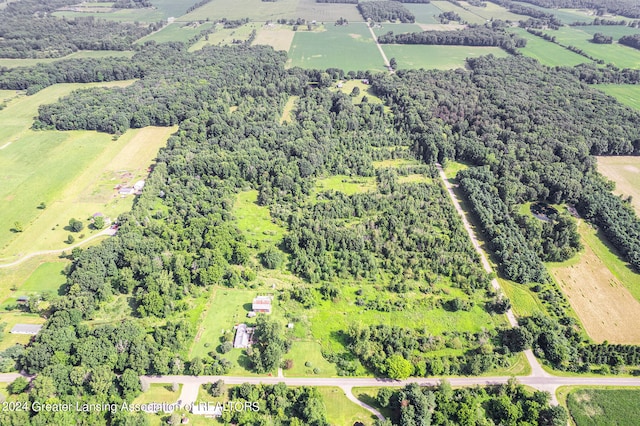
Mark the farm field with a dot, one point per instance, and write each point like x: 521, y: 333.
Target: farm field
x: 425, y: 13
x: 29, y: 62
x: 625, y: 172
x: 492, y: 10
x: 341, y: 411
x: 74, y: 174
x: 617, y: 54
x: 602, y: 291
x: 327, y: 13
x: 385, y: 27
x: 357, y: 49
x: 255, y: 10
x: 468, y: 16
x: 436, y: 57
x: 567, y: 16
x: 146, y: 15
x: 609, y: 406
x: 177, y: 31
x: 628, y: 94
x: 279, y: 37
x: 547, y: 53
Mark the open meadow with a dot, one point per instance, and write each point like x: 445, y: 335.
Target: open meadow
x: 628, y: 94
x: 467, y: 15
x: 348, y: 47
x: 493, y: 11
x: 255, y: 10
x: 327, y: 13
x: 616, y: 54
x: 411, y: 56
x: 567, y: 16
x: 341, y: 411
x: 625, y: 172
x: 177, y: 31
x: 425, y: 13
x: 604, y: 406
x: 29, y: 62
x: 547, y: 53
x: 226, y: 36
x: 277, y: 36
x: 602, y: 290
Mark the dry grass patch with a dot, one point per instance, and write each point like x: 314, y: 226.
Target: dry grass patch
x: 288, y: 109
x: 606, y: 308
x: 625, y: 172
x: 280, y: 38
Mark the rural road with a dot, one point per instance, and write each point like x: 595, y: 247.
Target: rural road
x: 108, y: 231
x: 375, y: 39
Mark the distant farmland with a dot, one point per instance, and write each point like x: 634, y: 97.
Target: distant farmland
x: 546, y: 52
x: 348, y: 47
x: 436, y: 57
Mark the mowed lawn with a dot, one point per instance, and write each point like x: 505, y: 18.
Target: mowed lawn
x: 341, y: 411
x: 255, y: 10
x: 547, y: 53
x: 625, y: 172
x: 595, y: 407
x: 436, y: 57
x: 350, y: 47
x: 617, y: 54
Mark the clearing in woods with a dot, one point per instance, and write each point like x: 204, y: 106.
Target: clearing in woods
x: 600, y: 291
x: 288, y: 109
x: 625, y: 172
x: 413, y: 56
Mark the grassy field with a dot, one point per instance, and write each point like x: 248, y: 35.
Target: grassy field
x: 424, y: 13
x: 308, y: 352
x: 277, y: 36
x: 628, y: 94
x: 602, y: 290
x: 327, y: 13
x: 178, y: 31
x: 368, y: 396
x: 625, y: 172
x: 225, y: 36
x: 14, y: 63
x: 365, y: 90
x: 565, y: 15
x: 349, y: 47
x: 48, y: 277
x: 492, y: 11
x: 345, y: 184
x: 436, y: 57
x: 452, y: 168
x: 523, y: 301
x: 469, y: 16
x: 341, y: 411
x: 594, y: 407
x: 146, y: 15
x: 74, y: 174
x: 288, y: 109
x: 255, y: 221
x: 547, y: 53
x: 255, y: 10
x: 617, y: 54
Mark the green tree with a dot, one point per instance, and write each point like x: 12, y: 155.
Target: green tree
x: 129, y: 383
x: 393, y: 63
x: 355, y: 92
x: 269, y: 344
x: 271, y: 258
x: 398, y: 368
x: 17, y: 227
x: 18, y: 385
x: 76, y: 225
x: 98, y: 222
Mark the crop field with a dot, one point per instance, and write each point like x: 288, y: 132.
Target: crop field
x: 494, y: 11
x: 617, y: 54
x: 567, y: 16
x: 327, y: 13
x: 468, y: 16
x: 277, y: 36
x: 425, y: 13
x: 178, y: 31
x: 225, y: 36
x: 547, y: 53
x: 172, y: 7
x: 595, y: 407
x: 628, y: 94
x: 29, y: 62
x: 625, y: 172
x: 146, y: 15
x: 74, y: 174
x: 255, y: 10
x: 385, y: 27
x: 603, y: 294
x: 436, y: 57
x: 341, y: 411
x: 349, y: 47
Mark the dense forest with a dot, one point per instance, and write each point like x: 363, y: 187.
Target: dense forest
x: 473, y: 35
x: 49, y: 37
x: 506, y: 404
x: 381, y: 11
x: 631, y: 41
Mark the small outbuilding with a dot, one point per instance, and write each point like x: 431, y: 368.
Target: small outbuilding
x: 243, y: 336
x: 262, y: 304
x: 31, y: 329
x: 23, y: 300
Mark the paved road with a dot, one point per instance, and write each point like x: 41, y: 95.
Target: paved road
x: 108, y: 231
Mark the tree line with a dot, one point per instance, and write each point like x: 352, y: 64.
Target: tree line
x: 628, y: 8
x: 381, y: 11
